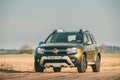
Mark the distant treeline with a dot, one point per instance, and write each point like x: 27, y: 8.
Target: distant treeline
x: 16, y: 51
x: 24, y: 49
x: 109, y: 49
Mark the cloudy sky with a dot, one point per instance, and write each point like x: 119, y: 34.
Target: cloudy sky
x: 31, y: 21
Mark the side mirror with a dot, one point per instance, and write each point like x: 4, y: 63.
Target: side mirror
x: 88, y: 43
x: 41, y: 43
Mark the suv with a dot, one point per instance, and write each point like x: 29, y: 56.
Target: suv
x: 68, y: 49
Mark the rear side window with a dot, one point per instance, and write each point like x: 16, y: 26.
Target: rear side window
x: 93, y: 39
x: 89, y: 38
x: 85, y: 38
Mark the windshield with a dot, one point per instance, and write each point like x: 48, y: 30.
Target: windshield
x: 64, y: 38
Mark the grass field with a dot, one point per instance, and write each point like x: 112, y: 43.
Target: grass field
x: 25, y: 62
x: 17, y: 62
x: 110, y: 60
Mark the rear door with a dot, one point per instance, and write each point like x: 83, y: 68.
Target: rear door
x: 88, y: 47
x: 94, y: 47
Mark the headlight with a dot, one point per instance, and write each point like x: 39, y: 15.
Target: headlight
x: 40, y: 50
x: 71, y: 50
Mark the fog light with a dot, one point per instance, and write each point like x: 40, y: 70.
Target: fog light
x: 38, y: 60
x: 73, y: 60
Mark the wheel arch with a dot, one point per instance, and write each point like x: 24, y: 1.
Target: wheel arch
x: 84, y: 53
x: 99, y: 55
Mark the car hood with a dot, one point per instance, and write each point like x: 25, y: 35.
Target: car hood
x: 60, y: 45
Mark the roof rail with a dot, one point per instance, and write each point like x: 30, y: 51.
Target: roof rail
x: 83, y: 30
x: 58, y: 31
x: 80, y: 31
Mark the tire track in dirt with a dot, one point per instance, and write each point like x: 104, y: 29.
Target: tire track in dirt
x: 106, y: 73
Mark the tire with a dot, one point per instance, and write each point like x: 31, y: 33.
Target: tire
x: 81, y: 67
x: 37, y: 67
x: 56, y: 69
x: 96, y: 66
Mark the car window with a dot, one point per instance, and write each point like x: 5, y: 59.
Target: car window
x: 51, y: 39
x: 85, y: 38
x: 89, y: 39
x: 71, y: 38
x: 64, y: 37
x: 93, y: 39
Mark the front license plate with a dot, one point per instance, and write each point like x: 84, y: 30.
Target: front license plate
x: 54, y: 57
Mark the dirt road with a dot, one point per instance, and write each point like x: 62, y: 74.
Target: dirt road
x: 20, y: 67
x: 106, y: 73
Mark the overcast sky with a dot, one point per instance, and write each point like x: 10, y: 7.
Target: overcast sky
x: 31, y: 21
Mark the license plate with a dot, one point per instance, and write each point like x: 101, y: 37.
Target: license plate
x: 54, y: 57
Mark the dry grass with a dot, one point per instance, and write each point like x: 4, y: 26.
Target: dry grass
x: 25, y: 62
x: 21, y: 62
x: 110, y: 60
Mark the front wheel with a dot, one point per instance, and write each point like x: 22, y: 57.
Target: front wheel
x: 57, y: 69
x: 81, y: 67
x: 96, y: 66
x: 38, y: 67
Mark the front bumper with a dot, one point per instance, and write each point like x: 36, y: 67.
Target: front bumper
x: 51, y: 63
x: 60, y: 61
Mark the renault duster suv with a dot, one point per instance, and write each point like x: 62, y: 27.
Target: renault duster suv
x: 68, y: 49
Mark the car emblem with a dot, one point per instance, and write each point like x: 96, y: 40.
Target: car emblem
x: 55, y: 51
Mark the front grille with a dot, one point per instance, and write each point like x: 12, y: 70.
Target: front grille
x: 55, y: 61
x: 59, y: 53
x: 49, y: 48
x: 51, y: 51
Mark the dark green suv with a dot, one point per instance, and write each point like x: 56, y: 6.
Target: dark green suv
x: 68, y: 49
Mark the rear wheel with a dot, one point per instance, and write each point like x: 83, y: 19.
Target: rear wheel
x: 81, y: 67
x: 57, y: 69
x: 38, y: 67
x: 96, y: 66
